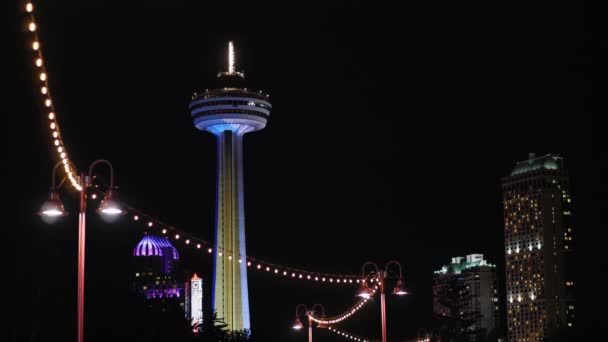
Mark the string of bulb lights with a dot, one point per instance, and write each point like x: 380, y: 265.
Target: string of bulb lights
x: 138, y: 215
x: 189, y: 240
x: 351, y: 311
x: 168, y: 230
x: 38, y: 61
x: 349, y: 335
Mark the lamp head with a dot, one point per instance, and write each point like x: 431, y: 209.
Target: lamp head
x: 52, y: 207
x: 364, y: 291
x: 110, y: 206
x: 297, y: 325
x: 400, y: 288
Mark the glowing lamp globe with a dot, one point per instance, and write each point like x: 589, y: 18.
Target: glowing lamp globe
x: 297, y: 325
x: 52, y: 207
x: 109, y: 205
x: 364, y: 291
x: 400, y: 289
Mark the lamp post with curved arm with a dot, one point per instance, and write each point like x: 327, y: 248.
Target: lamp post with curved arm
x: 54, y: 207
x: 298, y: 323
x: 381, y: 274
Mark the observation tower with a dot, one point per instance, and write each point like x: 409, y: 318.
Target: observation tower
x: 229, y: 111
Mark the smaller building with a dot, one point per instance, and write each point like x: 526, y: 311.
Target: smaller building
x: 194, y: 303
x: 157, y: 277
x: 479, y: 279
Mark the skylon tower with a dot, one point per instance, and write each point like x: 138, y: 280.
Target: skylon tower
x: 229, y: 111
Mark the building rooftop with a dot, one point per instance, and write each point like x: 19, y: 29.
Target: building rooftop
x: 152, y: 245
x: 460, y: 264
x: 548, y: 162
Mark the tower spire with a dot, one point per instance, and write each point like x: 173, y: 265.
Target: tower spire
x: 230, y: 57
x: 231, y: 63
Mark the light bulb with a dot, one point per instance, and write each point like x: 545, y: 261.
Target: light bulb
x: 32, y: 27
x: 29, y: 7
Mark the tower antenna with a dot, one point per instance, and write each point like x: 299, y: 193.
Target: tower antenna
x: 230, y: 57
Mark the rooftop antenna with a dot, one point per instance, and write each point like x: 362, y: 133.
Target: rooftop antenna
x: 231, y: 63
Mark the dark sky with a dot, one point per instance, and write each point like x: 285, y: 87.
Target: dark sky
x: 390, y: 130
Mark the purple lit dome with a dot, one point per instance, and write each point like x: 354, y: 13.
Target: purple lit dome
x: 152, y: 245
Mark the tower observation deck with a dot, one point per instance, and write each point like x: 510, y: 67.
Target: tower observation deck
x: 229, y: 111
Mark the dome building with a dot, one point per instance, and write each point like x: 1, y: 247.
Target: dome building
x: 156, y: 261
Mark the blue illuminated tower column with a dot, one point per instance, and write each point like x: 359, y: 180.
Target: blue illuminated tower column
x: 229, y: 111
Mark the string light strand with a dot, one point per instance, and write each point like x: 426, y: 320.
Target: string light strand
x: 47, y: 101
x: 350, y: 336
x: 346, y: 314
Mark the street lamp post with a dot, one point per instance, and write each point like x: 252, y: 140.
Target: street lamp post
x: 382, y: 274
x: 309, y: 313
x: 54, y: 207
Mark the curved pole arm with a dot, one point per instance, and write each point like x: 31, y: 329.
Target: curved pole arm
x: 299, y: 313
x: 369, y: 263
x: 53, y: 177
x: 61, y: 183
x: 320, y: 306
x: 394, y: 262
x: 98, y: 161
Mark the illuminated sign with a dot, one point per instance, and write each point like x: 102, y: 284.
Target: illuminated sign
x: 196, y: 303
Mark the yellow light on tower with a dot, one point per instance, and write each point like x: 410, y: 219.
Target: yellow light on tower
x: 32, y: 27
x: 62, y: 155
x: 51, y: 116
x: 35, y: 45
x: 29, y: 7
x: 230, y: 57
x: 55, y: 134
x: 53, y: 127
x: 44, y: 90
x: 56, y: 142
x: 59, y: 149
x: 47, y: 102
x: 39, y: 62
x: 43, y: 76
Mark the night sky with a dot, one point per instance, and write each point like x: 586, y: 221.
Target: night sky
x: 390, y: 130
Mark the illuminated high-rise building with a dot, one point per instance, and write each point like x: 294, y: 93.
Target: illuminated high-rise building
x: 229, y: 111
x: 479, y: 278
x: 538, y: 249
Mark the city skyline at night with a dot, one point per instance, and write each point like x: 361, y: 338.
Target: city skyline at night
x: 390, y: 136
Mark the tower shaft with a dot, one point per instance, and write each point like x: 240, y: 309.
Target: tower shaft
x: 230, y: 294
